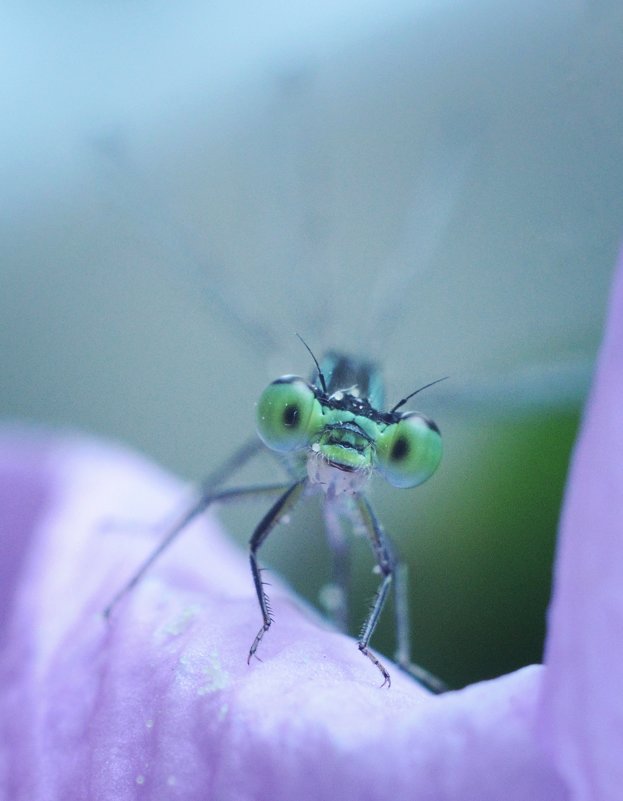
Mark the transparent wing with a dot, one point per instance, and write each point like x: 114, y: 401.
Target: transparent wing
x: 401, y: 311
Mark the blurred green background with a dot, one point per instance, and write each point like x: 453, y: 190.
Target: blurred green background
x: 183, y: 188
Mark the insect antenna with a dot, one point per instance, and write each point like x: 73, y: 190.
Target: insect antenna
x: 323, y: 383
x: 426, y: 386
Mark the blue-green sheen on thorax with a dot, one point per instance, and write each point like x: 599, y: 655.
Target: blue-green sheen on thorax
x: 341, y: 371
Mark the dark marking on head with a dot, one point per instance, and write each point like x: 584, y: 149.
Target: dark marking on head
x: 431, y: 424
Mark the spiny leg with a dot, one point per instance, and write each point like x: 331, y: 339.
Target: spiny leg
x: 336, y: 602
x: 281, y: 507
x: 403, y: 650
x: 385, y: 562
x: 206, y: 500
x: 238, y: 459
x: 207, y: 495
x: 394, y: 573
x: 206, y: 488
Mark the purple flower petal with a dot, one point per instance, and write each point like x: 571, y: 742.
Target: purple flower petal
x: 160, y: 702
x: 583, y: 690
x: 22, y: 500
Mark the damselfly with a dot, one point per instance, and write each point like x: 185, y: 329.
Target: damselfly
x: 331, y: 435
x: 303, y: 276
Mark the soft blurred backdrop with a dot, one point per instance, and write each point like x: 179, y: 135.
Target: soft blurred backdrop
x: 436, y: 185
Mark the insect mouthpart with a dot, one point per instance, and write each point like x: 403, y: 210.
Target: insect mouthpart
x: 347, y: 435
x: 341, y: 459
x: 333, y: 477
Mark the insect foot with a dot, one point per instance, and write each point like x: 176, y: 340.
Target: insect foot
x: 384, y: 672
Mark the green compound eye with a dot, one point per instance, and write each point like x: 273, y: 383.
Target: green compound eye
x: 409, y: 451
x: 287, y: 414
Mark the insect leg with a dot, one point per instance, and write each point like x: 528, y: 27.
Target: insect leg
x: 403, y: 650
x: 394, y: 573
x: 280, y: 508
x: 206, y: 500
x: 205, y: 489
x: 385, y: 562
x: 238, y: 458
x: 336, y: 601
